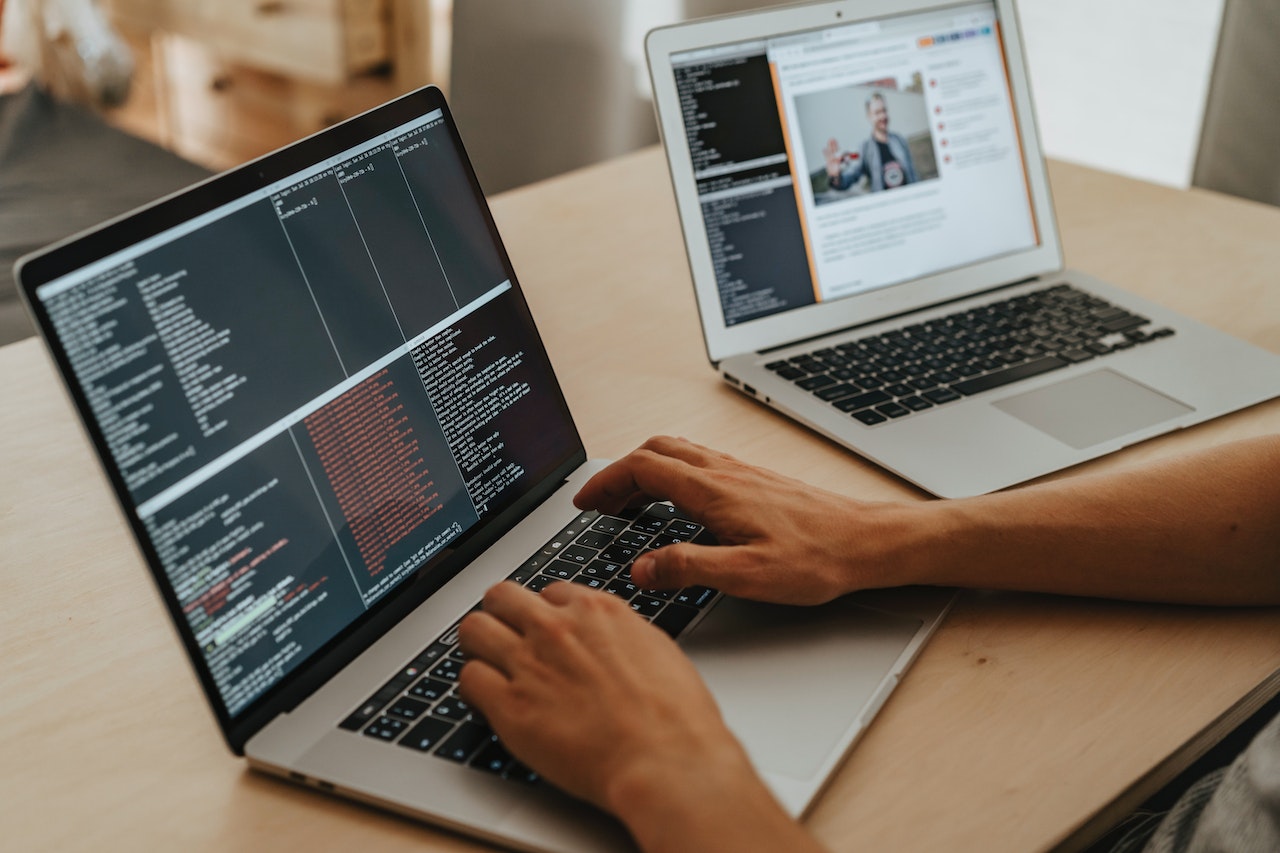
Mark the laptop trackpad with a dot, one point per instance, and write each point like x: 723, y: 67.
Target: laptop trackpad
x: 1093, y: 408
x: 792, y: 680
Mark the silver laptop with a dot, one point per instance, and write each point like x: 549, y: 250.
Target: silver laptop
x: 324, y: 409
x: 874, y: 253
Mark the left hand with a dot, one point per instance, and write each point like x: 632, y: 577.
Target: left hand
x: 596, y: 699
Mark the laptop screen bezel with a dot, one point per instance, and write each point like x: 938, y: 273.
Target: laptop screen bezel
x: 810, y: 321
x: 118, y: 234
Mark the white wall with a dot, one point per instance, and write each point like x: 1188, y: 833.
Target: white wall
x: 1121, y: 84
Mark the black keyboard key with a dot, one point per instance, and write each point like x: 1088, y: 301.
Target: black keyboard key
x: 410, y: 709
x: 664, y: 511
x: 1110, y: 312
x: 1075, y: 356
x: 893, y: 410
x: 578, y: 554
x: 622, y: 589
x: 777, y: 365
x: 541, y: 582
x: 464, y: 742
x: 649, y: 524
x: 647, y: 606
x: 870, y: 417
x: 610, y: 525
x: 791, y: 373
x: 941, y: 395
x: 447, y: 670
x: 695, y: 596
x: 561, y: 570
x: 978, y: 384
x: 593, y: 539
x: 602, y: 569
x: 522, y: 574
x: 362, y: 715
x: 683, y: 529
x: 862, y: 401
x: 430, y: 689
x: 815, y: 382
x: 592, y: 583
x: 426, y: 734
x: 633, y: 539
x: 1123, y: 323
x: 386, y: 728
x: 1162, y: 332
x: 916, y: 404
x: 520, y: 773
x: 618, y: 554
x: 899, y: 390
x: 493, y: 758
x: 835, y: 392
x: 452, y: 708
x: 675, y: 618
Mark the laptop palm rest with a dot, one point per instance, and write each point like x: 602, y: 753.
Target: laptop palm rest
x: 788, y: 725
x: 1093, y: 408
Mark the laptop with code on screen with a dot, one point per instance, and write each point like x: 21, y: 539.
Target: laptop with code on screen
x: 874, y: 253
x: 330, y: 423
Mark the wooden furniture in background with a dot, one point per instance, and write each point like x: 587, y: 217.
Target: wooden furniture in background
x: 222, y: 83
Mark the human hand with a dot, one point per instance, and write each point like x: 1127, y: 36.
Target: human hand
x: 834, y: 157
x: 781, y: 540
x: 601, y: 703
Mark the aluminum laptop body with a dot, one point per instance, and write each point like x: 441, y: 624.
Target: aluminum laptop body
x: 846, y: 169
x: 329, y: 421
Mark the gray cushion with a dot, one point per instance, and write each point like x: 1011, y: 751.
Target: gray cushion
x: 63, y: 170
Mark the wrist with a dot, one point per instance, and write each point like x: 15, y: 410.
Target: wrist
x: 908, y: 543
x: 665, y: 800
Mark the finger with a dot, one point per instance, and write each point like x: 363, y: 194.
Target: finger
x: 561, y: 594
x: 686, y: 564
x: 485, y: 637
x: 483, y: 686
x: 651, y: 473
x: 518, y: 607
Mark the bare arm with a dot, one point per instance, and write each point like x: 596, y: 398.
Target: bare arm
x: 1204, y: 528
x: 1200, y: 529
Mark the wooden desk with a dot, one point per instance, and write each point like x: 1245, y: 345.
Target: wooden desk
x: 1024, y: 715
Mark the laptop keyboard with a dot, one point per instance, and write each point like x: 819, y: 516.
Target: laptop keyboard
x: 895, y: 374
x: 419, y: 708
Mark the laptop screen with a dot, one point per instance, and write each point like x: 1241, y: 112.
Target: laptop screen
x: 841, y: 160
x: 313, y: 391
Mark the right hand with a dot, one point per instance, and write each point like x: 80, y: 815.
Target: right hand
x: 781, y: 540
x: 834, y: 157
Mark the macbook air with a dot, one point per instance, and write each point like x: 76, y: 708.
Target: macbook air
x: 327, y: 416
x: 874, y: 253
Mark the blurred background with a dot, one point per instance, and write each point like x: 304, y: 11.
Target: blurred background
x: 139, y: 97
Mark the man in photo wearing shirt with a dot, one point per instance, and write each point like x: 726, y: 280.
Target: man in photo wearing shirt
x: 883, y: 158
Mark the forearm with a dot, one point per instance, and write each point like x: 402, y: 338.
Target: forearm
x: 1201, y: 529
x: 726, y: 808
